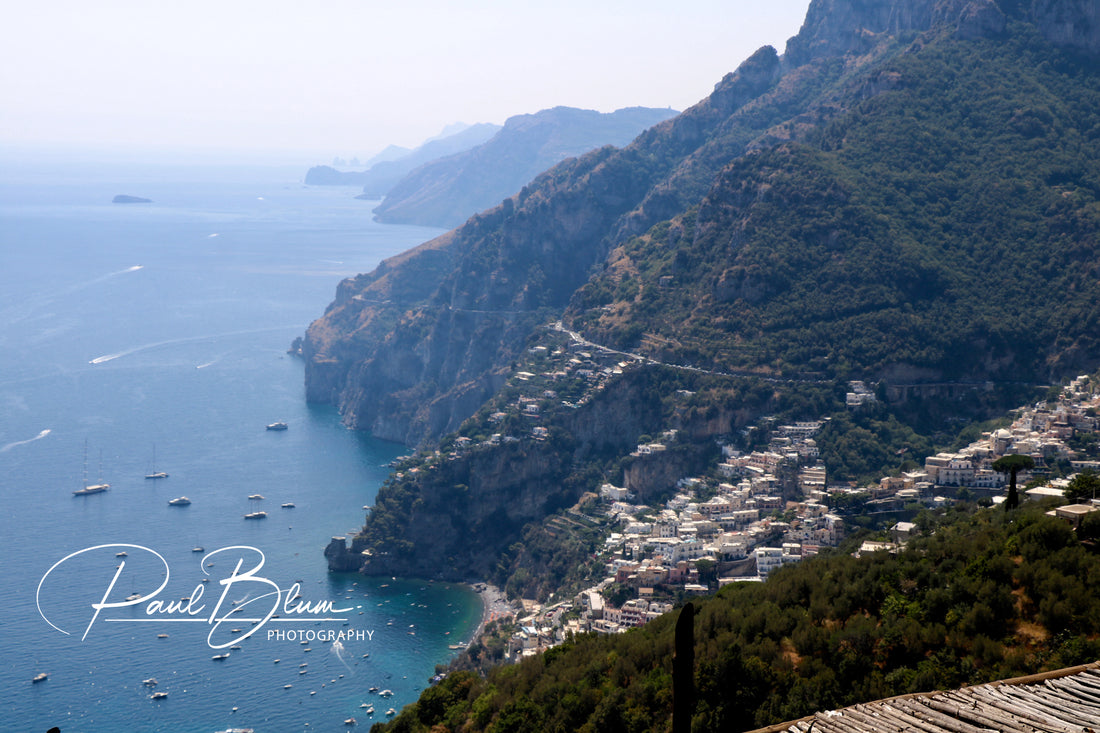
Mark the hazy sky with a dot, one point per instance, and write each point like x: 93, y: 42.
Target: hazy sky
x: 313, y: 80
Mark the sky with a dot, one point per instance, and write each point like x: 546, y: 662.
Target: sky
x: 310, y: 81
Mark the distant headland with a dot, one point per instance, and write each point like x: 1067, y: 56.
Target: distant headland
x: 124, y: 199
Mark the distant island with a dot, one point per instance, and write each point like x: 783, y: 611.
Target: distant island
x: 124, y: 199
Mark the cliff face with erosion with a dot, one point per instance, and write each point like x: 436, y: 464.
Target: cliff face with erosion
x: 413, y: 348
x: 451, y: 518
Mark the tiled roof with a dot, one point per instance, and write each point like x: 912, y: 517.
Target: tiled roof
x: 1063, y: 701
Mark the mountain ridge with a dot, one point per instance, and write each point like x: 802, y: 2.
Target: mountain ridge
x: 415, y: 368
x: 446, y: 191
x: 392, y: 167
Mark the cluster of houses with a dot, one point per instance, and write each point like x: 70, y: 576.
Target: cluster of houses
x: 739, y: 522
x: 735, y: 525
x: 1040, y: 432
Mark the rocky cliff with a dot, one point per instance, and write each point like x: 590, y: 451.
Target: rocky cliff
x: 410, y: 350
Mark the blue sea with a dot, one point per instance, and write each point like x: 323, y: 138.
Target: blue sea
x: 142, y: 337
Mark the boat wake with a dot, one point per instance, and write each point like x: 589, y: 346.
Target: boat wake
x: 339, y: 652
x: 108, y: 276
x: 188, y: 340
x: 37, y: 306
x: 40, y: 436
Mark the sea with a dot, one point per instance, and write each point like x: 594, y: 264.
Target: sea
x: 153, y: 337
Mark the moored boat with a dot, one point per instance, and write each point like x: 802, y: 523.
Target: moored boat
x: 88, y: 489
x: 153, y: 472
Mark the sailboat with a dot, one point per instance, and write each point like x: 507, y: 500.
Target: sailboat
x: 155, y: 473
x: 92, y: 488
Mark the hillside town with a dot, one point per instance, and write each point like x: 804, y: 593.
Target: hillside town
x: 755, y: 511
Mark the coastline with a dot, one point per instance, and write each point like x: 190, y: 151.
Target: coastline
x: 494, y: 605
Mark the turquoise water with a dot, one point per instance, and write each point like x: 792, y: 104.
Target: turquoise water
x: 160, y: 330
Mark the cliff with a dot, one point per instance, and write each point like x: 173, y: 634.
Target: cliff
x: 447, y: 191
x: 904, y: 194
x: 410, y: 350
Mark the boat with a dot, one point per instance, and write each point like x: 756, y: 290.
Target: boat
x: 158, y: 696
x: 220, y: 657
x: 179, y: 501
x: 287, y: 505
x: 198, y: 548
x: 391, y: 711
x: 349, y: 721
x: 134, y: 597
x: 386, y: 693
x: 277, y: 426
x: 40, y: 677
x: 162, y: 636
x: 151, y: 682
x: 256, y: 515
x: 154, y: 473
x: 236, y: 730
x: 88, y: 489
x: 121, y: 554
x: 255, y: 497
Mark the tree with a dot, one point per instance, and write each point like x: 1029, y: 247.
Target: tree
x: 1085, y: 485
x: 1012, y: 464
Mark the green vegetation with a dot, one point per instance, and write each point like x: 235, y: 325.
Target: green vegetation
x: 869, y: 444
x: 1083, y: 487
x: 954, y: 206
x: 986, y: 596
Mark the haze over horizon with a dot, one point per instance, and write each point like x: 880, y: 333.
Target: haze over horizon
x: 344, y: 78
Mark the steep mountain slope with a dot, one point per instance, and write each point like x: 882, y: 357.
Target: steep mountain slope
x: 410, y: 350
x: 943, y: 226
x: 908, y: 194
x: 446, y: 192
